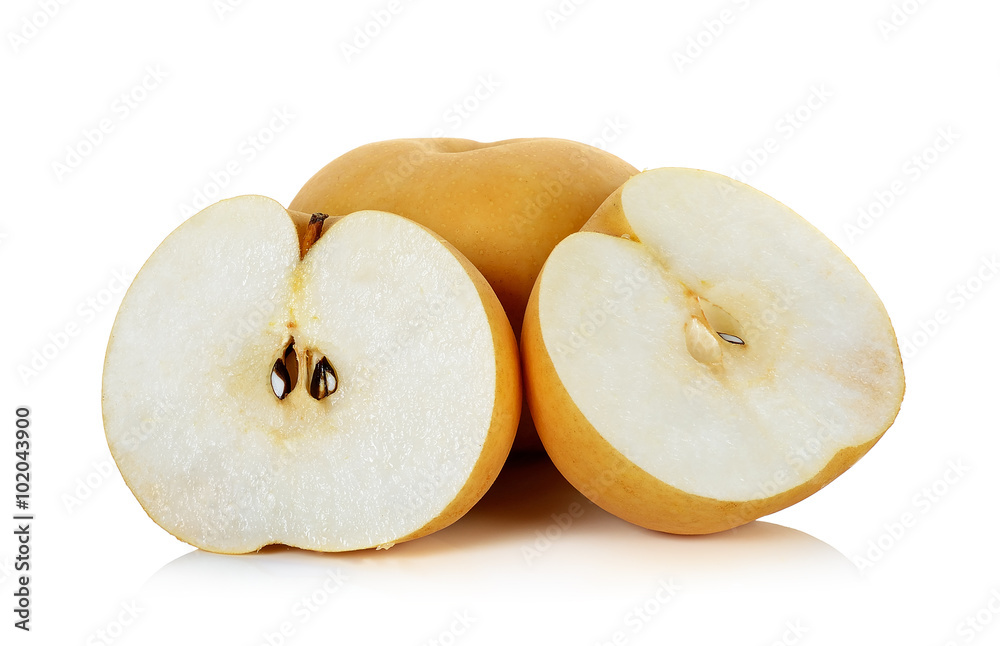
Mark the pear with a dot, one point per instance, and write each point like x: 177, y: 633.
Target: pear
x: 332, y: 384
x: 699, y: 355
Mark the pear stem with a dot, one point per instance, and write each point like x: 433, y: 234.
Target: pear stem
x: 313, y: 231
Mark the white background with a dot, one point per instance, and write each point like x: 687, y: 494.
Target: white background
x: 840, y: 567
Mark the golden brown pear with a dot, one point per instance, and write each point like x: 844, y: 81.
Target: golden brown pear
x: 699, y: 355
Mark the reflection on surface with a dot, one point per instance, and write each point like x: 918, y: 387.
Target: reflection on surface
x: 532, y: 545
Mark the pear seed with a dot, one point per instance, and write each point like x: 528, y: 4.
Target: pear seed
x: 324, y: 380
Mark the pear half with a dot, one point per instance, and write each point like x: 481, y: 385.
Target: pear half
x: 700, y: 356
x: 355, y: 389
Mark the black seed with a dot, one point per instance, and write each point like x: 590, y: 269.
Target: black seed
x: 291, y: 360
x: 324, y: 380
x: 285, y: 373
x: 281, y: 383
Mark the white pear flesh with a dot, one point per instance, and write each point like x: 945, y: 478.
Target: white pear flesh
x: 700, y: 355
x: 427, y: 382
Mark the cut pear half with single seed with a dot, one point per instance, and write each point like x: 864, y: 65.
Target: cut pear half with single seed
x: 355, y: 389
x: 700, y: 356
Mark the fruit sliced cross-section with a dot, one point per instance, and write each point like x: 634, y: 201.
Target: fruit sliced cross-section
x: 700, y: 355
x: 363, y: 395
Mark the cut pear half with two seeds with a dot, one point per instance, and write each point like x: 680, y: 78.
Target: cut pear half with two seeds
x: 700, y: 356
x: 332, y: 386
